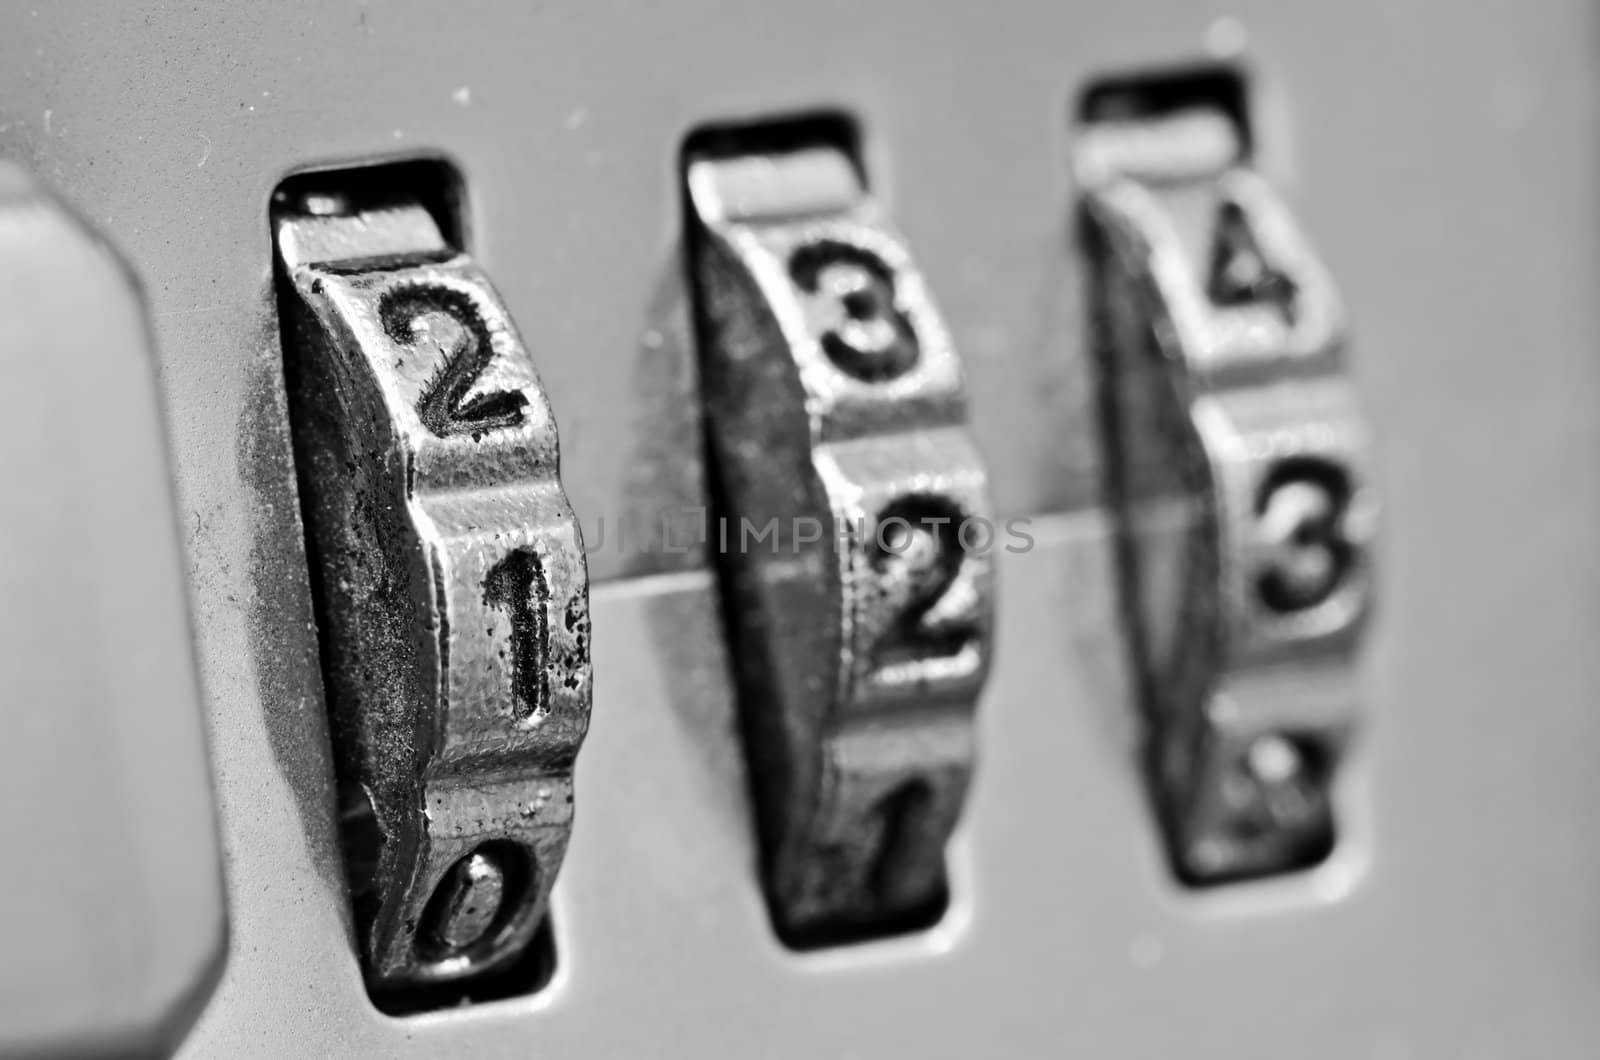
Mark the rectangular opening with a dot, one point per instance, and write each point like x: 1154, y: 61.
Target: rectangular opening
x: 435, y: 185
x: 430, y: 181
x: 1153, y: 95
x: 781, y: 135
x: 794, y: 171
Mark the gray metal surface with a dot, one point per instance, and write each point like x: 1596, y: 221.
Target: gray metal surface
x: 111, y: 906
x: 1445, y: 156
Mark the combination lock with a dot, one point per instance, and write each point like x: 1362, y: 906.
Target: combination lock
x: 790, y: 804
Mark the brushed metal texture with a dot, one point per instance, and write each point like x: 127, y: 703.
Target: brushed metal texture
x: 1445, y: 155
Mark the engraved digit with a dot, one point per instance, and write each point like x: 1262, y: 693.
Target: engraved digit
x: 1241, y: 274
x: 850, y: 301
x: 917, y: 555
x: 448, y: 321
x: 1300, y: 512
x: 517, y: 586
